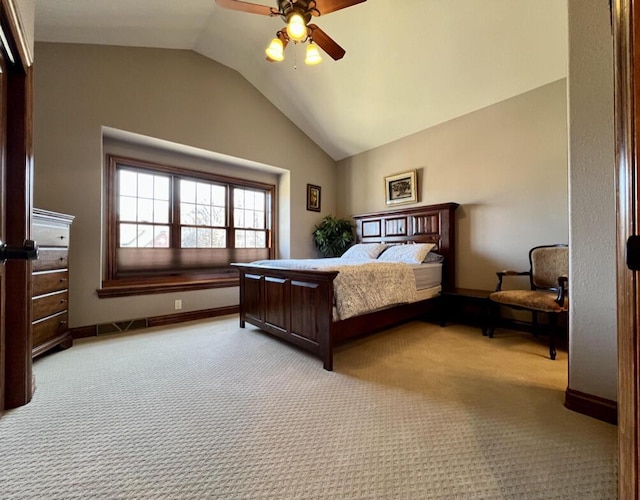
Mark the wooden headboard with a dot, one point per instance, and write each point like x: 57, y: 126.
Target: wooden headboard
x: 425, y: 224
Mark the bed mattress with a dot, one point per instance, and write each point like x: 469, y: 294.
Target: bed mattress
x: 427, y: 275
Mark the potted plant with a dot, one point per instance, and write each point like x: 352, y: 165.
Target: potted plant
x: 333, y: 236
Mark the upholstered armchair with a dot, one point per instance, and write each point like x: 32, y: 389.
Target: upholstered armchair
x: 548, y: 293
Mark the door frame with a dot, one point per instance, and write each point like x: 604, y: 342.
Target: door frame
x: 15, y: 358
x: 626, y: 30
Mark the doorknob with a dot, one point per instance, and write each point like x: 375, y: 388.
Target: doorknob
x: 28, y: 251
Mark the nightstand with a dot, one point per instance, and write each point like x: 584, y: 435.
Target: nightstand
x: 460, y: 298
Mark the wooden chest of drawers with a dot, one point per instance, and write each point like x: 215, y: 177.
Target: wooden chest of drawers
x: 50, y: 281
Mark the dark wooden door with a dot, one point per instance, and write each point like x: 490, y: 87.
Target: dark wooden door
x: 16, y: 158
x: 3, y: 147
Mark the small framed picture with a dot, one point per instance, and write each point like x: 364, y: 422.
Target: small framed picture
x: 313, y: 198
x: 401, y: 188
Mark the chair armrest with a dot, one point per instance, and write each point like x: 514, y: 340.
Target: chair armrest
x: 563, y: 290
x: 509, y: 272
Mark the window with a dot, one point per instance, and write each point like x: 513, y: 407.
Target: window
x: 175, y: 228
x: 143, y: 201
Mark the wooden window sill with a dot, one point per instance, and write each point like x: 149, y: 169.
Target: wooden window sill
x: 125, y: 288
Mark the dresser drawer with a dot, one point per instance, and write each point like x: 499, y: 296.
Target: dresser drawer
x: 50, y: 235
x: 47, y: 282
x: 46, y: 305
x: 49, y: 259
x: 48, y: 328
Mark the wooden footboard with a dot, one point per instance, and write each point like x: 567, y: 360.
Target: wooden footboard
x: 295, y: 305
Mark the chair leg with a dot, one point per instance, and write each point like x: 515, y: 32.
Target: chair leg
x: 534, y: 323
x: 553, y: 326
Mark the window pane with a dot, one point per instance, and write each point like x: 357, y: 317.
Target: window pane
x: 188, y: 237
x: 219, y: 238
x: 187, y: 191
x: 249, y: 200
x: 238, y: 198
x: 258, y: 220
x: 203, y: 215
x: 161, y: 211
x: 238, y: 218
x: 145, y: 186
x: 161, y: 188
x: 128, y: 235
x: 161, y: 237
x: 217, y: 218
x: 187, y: 213
x: 145, y: 210
x: 128, y: 183
x: 128, y: 208
x: 259, y: 201
x: 240, y: 239
x: 219, y: 195
x: 203, y: 194
x: 145, y: 236
x: 204, y: 237
x: 251, y: 239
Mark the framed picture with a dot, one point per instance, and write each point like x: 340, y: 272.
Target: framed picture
x: 401, y: 188
x: 313, y: 198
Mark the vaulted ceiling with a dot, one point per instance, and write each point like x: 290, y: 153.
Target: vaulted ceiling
x: 410, y: 64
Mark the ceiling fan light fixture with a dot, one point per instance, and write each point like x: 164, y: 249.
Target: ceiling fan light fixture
x: 275, y: 50
x: 296, y: 27
x: 313, y: 55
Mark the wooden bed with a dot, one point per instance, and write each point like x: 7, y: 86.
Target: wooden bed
x: 297, y: 305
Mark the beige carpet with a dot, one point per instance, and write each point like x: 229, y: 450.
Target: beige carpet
x: 208, y: 410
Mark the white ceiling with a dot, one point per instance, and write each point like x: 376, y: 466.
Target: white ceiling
x: 410, y: 64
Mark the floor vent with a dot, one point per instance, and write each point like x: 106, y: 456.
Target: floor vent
x: 122, y: 326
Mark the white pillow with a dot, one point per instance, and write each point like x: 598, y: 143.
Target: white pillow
x: 409, y: 254
x: 364, y: 251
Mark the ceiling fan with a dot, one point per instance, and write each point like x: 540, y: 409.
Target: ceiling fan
x: 297, y: 14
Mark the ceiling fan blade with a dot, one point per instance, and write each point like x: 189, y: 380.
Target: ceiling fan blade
x: 252, y: 8
x: 326, y: 43
x: 282, y: 35
x: 326, y: 6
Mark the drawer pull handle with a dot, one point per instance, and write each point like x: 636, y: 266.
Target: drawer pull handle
x: 61, y: 259
x: 62, y: 237
x: 63, y: 322
x: 62, y: 301
x: 62, y: 280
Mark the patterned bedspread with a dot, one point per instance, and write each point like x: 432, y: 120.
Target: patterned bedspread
x: 360, y: 287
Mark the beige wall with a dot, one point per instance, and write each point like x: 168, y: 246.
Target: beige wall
x: 175, y: 96
x: 507, y: 167
x: 593, y: 367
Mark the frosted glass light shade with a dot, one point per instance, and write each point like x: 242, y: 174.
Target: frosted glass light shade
x: 313, y: 55
x: 275, y: 50
x: 296, y: 28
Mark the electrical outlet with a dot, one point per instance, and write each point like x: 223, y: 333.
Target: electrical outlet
x: 178, y: 304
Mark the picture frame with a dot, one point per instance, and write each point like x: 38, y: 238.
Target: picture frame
x: 401, y: 188
x: 313, y: 197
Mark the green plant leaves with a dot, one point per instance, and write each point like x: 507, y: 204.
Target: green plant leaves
x: 333, y: 236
